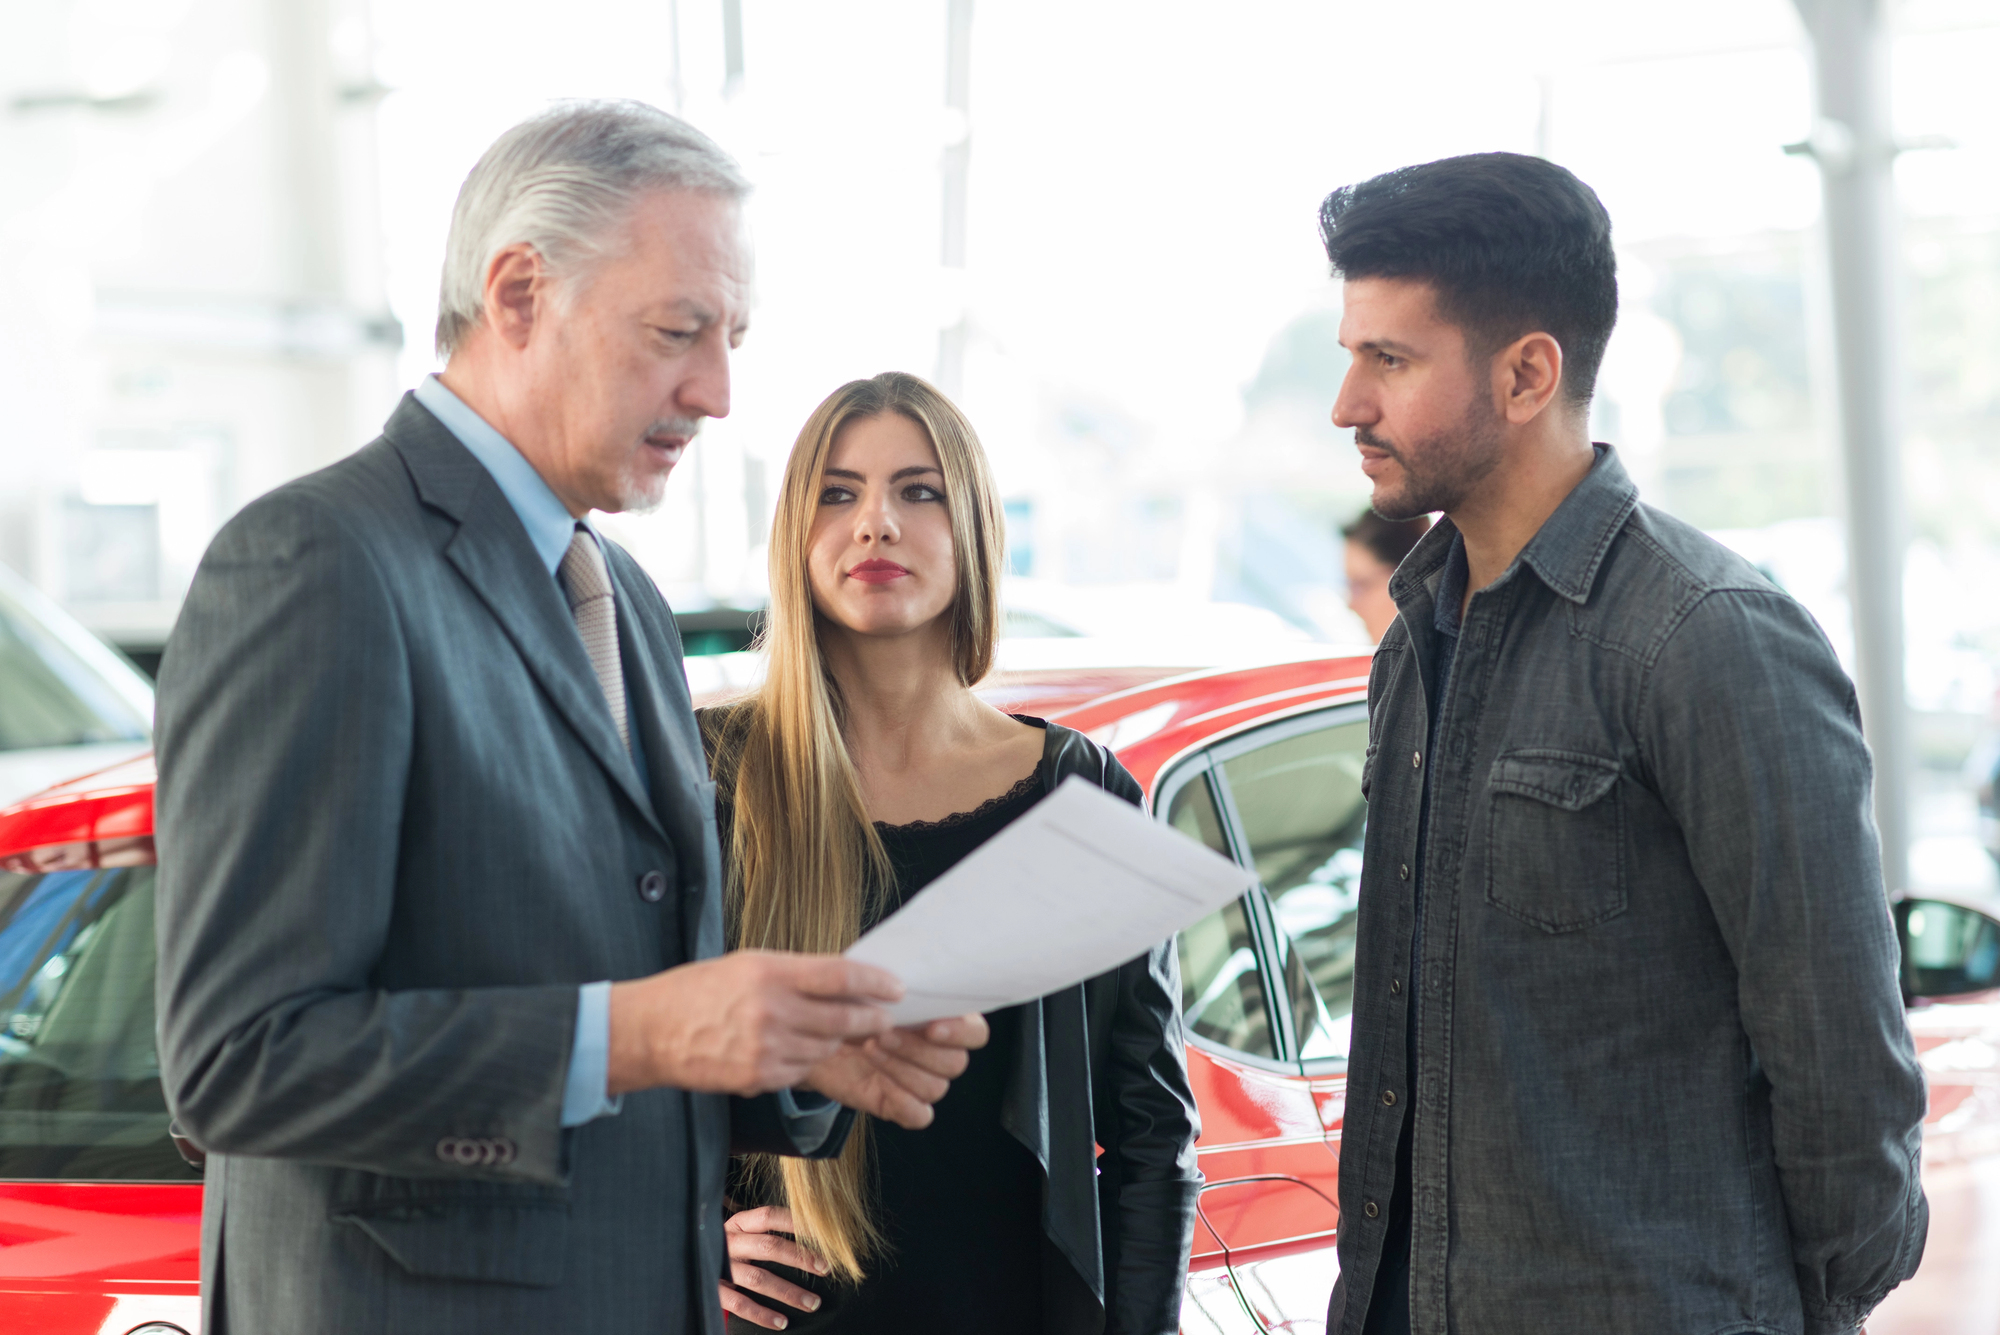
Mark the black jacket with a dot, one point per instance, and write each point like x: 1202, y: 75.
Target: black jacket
x: 1101, y: 1063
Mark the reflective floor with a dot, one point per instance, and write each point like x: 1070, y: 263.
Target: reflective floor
x: 1960, y: 1289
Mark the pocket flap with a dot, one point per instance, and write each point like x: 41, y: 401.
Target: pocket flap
x: 444, y: 1228
x: 493, y: 1244
x: 1569, y: 780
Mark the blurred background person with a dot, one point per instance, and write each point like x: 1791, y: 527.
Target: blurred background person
x: 1374, y: 547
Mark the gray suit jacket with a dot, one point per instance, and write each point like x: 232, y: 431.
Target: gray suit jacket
x: 397, y: 832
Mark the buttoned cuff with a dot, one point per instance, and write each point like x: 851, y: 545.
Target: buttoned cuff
x: 809, y: 1117
x: 585, y: 1094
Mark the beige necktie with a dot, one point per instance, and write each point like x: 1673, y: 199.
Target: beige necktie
x: 588, y: 584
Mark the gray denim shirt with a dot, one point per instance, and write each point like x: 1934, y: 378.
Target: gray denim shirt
x: 1664, y: 1082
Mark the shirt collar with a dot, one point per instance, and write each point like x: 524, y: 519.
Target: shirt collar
x: 1422, y: 568
x: 1565, y: 552
x: 548, y: 522
x: 1572, y: 542
x: 1447, y: 614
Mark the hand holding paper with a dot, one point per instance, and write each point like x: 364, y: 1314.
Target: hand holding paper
x: 1080, y: 884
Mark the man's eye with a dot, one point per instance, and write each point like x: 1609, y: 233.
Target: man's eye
x: 1388, y: 361
x: 677, y: 335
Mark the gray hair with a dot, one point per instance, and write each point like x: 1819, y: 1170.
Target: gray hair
x: 561, y: 181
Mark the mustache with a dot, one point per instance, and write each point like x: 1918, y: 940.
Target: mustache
x: 1363, y: 436
x: 687, y: 427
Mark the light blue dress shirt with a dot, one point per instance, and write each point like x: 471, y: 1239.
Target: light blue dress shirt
x: 550, y: 529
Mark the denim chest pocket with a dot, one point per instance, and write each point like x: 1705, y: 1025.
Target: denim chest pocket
x: 1555, y: 855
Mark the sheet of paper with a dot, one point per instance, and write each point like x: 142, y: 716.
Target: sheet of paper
x: 1080, y: 884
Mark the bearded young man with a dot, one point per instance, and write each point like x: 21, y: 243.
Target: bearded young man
x: 1629, y: 1052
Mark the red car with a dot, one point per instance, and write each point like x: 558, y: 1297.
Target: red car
x: 99, y: 1216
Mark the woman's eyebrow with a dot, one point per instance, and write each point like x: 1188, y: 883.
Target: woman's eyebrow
x: 897, y: 476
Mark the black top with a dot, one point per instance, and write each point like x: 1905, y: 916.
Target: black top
x: 959, y: 1202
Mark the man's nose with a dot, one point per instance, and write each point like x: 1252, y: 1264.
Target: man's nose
x: 1351, y: 407
x: 705, y: 391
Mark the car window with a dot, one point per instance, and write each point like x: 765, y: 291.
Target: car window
x: 49, y: 696
x: 1298, y: 803
x: 1222, y: 986
x: 80, y: 1091
x: 1947, y: 950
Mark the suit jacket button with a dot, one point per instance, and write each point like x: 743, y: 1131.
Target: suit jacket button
x: 653, y: 887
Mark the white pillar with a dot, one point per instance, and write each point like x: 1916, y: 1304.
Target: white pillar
x: 1855, y: 147
x: 957, y: 159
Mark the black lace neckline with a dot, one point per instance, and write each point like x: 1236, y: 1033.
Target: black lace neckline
x: 957, y: 818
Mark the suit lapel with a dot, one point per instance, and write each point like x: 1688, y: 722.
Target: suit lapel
x: 663, y: 715
x: 657, y: 704
x: 492, y: 552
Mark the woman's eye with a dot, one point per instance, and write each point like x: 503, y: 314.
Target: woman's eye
x: 835, y: 495
x: 917, y: 491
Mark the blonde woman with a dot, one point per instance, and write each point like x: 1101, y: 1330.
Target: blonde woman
x: 864, y: 768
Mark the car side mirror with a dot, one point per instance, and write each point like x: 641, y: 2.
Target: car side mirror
x: 1948, y: 951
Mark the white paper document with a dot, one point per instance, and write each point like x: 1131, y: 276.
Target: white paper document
x: 1080, y: 884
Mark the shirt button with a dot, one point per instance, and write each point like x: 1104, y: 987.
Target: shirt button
x: 1370, y: 1208
x: 653, y: 887
x: 1388, y: 1098
x: 1395, y: 987
x: 1403, y: 872
x: 1416, y: 760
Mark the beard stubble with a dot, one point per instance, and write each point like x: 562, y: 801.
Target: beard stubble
x: 1441, y: 470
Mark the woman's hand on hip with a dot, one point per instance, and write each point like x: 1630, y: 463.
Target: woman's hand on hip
x: 758, y: 1236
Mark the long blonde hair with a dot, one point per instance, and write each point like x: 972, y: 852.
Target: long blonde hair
x: 807, y: 867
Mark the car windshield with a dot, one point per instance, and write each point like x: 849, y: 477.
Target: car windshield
x: 50, y: 693
x: 80, y: 1096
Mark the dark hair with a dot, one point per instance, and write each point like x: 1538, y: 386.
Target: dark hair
x: 1512, y: 245
x: 1387, y: 540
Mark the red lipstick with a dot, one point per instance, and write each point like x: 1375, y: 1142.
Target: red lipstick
x: 877, y: 571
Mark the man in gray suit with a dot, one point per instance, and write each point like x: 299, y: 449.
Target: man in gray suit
x: 440, y: 915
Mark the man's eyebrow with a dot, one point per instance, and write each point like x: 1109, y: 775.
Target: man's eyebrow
x: 1388, y: 345
x: 695, y: 311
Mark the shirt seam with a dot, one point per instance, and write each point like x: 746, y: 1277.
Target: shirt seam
x: 1642, y: 701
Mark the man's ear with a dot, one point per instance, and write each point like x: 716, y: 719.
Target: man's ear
x: 516, y: 284
x: 1527, y: 374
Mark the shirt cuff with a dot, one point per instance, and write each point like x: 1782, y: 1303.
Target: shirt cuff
x: 584, y: 1093
x: 809, y: 1117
